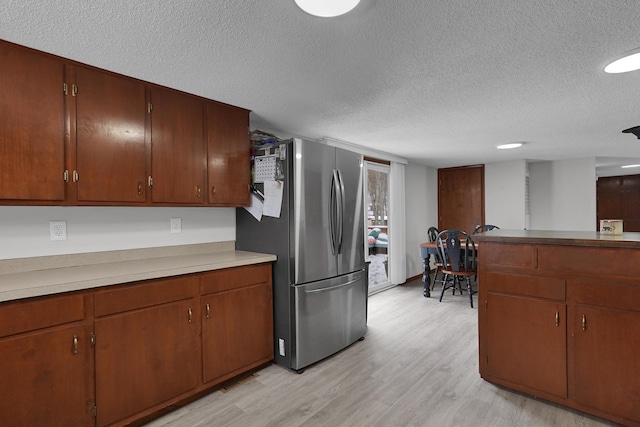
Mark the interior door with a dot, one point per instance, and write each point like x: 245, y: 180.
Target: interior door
x: 461, y: 198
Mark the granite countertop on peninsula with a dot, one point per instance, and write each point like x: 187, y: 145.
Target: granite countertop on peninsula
x: 47, y: 275
x: 569, y: 238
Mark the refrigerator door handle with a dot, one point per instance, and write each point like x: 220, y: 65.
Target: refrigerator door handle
x: 340, y: 210
x: 331, y: 288
x: 335, y: 213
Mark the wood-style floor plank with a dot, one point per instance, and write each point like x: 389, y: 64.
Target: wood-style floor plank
x: 418, y: 366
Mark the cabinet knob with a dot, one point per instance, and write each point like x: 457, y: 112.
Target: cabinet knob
x: 213, y: 191
x: 584, y: 322
x: 75, y: 344
x: 208, y: 309
x: 198, y: 191
x: 139, y: 188
x: 557, y: 318
x: 190, y: 315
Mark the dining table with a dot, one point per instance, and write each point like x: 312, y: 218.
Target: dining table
x: 426, y: 249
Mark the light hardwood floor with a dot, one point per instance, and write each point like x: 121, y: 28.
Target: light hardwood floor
x: 417, y: 367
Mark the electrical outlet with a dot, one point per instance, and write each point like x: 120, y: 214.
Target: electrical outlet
x: 58, y: 230
x: 281, y: 346
x: 176, y: 225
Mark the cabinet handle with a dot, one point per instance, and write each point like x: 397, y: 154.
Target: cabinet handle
x: 139, y: 188
x: 190, y: 315
x: 557, y: 318
x: 65, y: 175
x: 150, y: 181
x: 75, y: 176
x: 198, y: 191
x: 208, y: 307
x: 213, y: 191
x: 584, y: 322
x: 74, y: 90
x: 75, y: 344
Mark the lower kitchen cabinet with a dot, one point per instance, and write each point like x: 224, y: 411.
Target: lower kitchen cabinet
x: 555, y: 321
x: 123, y: 354
x: 509, y: 319
x: 46, y: 367
x: 147, y: 349
x: 604, y: 348
x: 237, y: 324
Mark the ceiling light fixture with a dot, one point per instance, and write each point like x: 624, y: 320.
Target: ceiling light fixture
x: 327, y: 8
x: 630, y: 166
x: 634, y: 130
x: 509, y: 146
x: 630, y: 61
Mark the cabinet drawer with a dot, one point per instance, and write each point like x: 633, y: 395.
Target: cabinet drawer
x: 621, y: 262
x: 515, y: 255
x: 32, y: 314
x: 618, y: 294
x: 144, y: 294
x: 516, y: 284
x: 233, y: 278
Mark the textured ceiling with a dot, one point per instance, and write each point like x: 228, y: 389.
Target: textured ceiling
x: 439, y: 83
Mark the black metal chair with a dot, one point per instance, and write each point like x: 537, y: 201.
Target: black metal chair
x: 459, y: 260
x: 483, y: 228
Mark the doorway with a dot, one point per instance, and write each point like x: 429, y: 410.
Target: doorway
x: 461, y: 198
x: 377, y: 234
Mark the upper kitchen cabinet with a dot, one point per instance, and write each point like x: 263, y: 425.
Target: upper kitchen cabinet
x: 32, y: 126
x: 228, y: 155
x: 110, y: 138
x: 72, y: 134
x: 178, y: 156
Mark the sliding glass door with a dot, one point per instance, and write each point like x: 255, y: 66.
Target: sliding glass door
x: 377, y: 235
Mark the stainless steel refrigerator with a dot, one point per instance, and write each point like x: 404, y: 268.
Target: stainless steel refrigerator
x: 320, y: 276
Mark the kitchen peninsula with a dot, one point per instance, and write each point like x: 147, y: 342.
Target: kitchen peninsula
x: 559, y: 318
x: 113, y: 338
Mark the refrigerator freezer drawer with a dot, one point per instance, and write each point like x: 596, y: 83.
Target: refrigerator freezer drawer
x: 329, y: 316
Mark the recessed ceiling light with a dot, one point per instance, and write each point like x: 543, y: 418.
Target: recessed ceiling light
x: 327, y: 8
x: 630, y: 61
x: 630, y: 166
x: 509, y: 146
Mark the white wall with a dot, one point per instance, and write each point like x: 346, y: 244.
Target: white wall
x: 24, y: 231
x: 505, y: 194
x: 562, y: 195
x: 421, y: 203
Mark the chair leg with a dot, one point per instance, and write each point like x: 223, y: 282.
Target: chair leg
x: 435, y: 276
x: 470, y: 292
x: 444, y: 285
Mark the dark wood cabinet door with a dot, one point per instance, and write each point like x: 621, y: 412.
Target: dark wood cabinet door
x: 145, y: 357
x: 237, y: 330
x: 461, y: 198
x: 228, y: 155
x: 178, y: 156
x: 524, y: 343
x: 46, y: 378
x: 110, y: 137
x: 32, y: 126
x: 604, y: 354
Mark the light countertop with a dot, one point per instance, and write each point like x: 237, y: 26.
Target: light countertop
x: 38, y: 276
